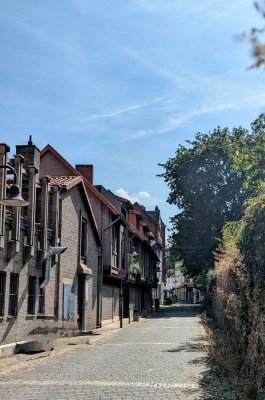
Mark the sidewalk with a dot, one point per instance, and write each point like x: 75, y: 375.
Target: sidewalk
x: 62, y: 345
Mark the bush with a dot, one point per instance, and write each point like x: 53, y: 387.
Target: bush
x: 239, y: 302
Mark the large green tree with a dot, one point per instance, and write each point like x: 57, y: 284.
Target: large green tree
x: 249, y: 156
x: 208, y: 190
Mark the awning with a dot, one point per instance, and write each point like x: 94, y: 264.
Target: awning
x: 84, y: 269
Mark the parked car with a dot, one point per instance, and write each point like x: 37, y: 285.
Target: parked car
x: 174, y: 298
x: 167, y: 301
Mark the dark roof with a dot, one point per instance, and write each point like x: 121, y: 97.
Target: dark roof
x: 156, y: 215
x: 126, y: 202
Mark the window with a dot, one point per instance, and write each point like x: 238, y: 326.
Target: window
x: 83, y: 240
x: 68, y: 302
x: 13, y: 295
x: 2, y: 292
x: 41, y: 309
x: 31, y: 295
x: 138, y: 221
x: 115, y: 241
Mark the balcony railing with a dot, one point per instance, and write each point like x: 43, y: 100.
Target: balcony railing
x: 24, y: 224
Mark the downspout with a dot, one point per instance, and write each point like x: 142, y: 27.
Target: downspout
x: 48, y: 266
x: 57, y: 226
x: 101, y: 269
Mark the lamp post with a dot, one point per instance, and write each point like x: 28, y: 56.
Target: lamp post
x: 158, y: 287
x: 132, y: 253
x: 14, y: 198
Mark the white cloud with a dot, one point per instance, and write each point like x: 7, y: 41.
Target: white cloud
x: 144, y: 195
x: 137, y: 197
x: 180, y: 119
x: 124, y: 110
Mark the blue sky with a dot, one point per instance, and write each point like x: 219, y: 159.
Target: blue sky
x: 120, y: 84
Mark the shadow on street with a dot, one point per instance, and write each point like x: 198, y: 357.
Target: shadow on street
x: 179, y: 310
x: 214, y: 385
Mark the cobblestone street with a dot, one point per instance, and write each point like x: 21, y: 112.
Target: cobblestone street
x: 158, y: 358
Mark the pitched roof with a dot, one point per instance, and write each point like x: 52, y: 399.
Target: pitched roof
x: 70, y: 181
x: 156, y: 216
x: 126, y: 202
x: 88, y: 184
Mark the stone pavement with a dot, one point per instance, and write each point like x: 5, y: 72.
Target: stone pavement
x: 159, y: 358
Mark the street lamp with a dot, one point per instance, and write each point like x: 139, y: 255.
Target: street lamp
x: 158, y: 287
x: 14, y: 198
x: 132, y: 253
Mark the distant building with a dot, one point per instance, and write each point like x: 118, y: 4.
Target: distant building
x: 184, y: 289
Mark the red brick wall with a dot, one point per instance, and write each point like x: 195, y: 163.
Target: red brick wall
x: 18, y: 328
x: 50, y: 165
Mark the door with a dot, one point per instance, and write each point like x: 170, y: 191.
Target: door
x: 81, y: 301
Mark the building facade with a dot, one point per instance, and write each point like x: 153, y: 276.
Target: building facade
x: 40, y: 291
x: 77, y: 257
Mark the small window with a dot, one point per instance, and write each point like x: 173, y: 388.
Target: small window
x: 84, y: 240
x: 41, y: 309
x: 13, y: 295
x: 138, y: 221
x: 2, y: 292
x: 115, y: 244
x: 31, y: 295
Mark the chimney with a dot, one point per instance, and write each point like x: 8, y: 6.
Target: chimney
x: 31, y: 154
x: 87, y: 170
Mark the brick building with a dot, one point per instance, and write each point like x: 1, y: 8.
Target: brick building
x: 150, y: 233
x: 118, y: 229
x: 41, y: 292
x: 79, y: 290
x: 107, y: 303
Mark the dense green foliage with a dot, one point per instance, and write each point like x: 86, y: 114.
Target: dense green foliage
x: 217, y: 181
x: 210, y: 179
x: 208, y: 191
x: 249, y: 155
